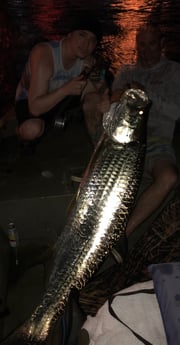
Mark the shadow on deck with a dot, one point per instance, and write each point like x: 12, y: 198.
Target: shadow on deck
x: 35, y: 193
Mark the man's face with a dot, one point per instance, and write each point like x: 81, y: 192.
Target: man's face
x: 148, y: 48
x: 83, y: 43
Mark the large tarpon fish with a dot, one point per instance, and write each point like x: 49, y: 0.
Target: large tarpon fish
x: 99, y: 217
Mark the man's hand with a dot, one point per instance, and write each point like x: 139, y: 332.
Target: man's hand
x: 74, y: 86
x: 89, y: 62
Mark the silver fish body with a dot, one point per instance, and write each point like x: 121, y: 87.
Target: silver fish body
x: 99, y: 217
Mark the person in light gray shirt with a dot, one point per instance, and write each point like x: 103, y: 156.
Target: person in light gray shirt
x: 160, y: 78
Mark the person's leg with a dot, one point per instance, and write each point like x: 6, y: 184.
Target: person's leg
x: 32, y: 128
x: 92, y: 116
x: 165, y: 178
x: 29, y: 128
x: 29, y: 134
x: 91, y: 99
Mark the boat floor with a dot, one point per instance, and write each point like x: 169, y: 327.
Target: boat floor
x: 35, y: 193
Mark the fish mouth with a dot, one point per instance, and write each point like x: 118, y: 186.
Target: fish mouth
x: 122, y: 119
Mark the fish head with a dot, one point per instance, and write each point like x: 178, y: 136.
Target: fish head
x: 126, y: 120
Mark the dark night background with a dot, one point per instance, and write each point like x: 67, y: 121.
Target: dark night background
x: 26, y: 22
x: 37, y: 190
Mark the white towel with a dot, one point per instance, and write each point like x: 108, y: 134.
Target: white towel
x: 139, y: 311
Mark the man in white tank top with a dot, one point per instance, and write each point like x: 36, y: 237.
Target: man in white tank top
x: 52, y: 73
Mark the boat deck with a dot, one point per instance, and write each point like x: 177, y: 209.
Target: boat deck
x: 35, y: 188
x: 35, y: 193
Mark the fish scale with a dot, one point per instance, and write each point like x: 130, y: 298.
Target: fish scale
x: 100, y: 214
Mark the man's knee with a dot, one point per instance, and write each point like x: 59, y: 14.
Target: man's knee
x: 172, y: 177
x: 31, y: 129
x: 169, y: 177
x: 90, y: 102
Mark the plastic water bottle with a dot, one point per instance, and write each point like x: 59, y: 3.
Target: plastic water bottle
x: 13, y: 239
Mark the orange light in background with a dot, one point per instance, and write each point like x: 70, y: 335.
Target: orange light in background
x: 131, y: 15
x: 45, y: 15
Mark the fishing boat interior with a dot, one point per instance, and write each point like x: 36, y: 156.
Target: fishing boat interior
x: 37, y: 190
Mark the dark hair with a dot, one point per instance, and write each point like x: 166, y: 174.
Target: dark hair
x: 88, y: 22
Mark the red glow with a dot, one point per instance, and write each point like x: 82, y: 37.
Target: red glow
x: 132, y: 16
x: 45, y: 16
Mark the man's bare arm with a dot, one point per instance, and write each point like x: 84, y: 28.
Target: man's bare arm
x: 39, y: 100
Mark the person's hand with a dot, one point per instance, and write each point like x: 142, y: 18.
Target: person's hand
x: 74, y: 86
x: 89, y: 62
x: 104, y: 102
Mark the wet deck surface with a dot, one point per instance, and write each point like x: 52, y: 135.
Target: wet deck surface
x: 29, y: 183
x: 35, y: 193
x: 59, y: 152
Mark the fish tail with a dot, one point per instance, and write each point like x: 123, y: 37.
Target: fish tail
x: 21, y: 336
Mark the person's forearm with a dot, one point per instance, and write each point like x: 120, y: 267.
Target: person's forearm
x: 43, y: 104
